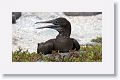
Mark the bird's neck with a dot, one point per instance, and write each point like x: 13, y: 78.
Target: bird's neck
x: 65, y: 34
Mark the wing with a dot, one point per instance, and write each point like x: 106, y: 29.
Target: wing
x: 45, y: 48
x: 75, y: 44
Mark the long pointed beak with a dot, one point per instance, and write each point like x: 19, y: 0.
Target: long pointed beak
x: 49, y: 26
x: 50, y: 21
x: 53, y: 26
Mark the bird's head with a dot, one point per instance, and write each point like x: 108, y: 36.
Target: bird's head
x: 61, y: 24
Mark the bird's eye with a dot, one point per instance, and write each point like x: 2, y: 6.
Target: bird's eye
x: 56, y: 22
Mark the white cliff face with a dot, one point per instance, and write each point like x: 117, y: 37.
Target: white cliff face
x: 26, y: 36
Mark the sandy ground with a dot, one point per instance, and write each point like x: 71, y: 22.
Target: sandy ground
x: 26, y: 36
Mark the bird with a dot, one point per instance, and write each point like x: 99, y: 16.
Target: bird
x: 62, y: 43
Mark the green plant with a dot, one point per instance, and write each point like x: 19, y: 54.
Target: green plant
x: 25, y: 56
x: 87, y: 53
x: 97, y: 40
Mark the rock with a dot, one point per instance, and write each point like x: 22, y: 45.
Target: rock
x: 15, y: 16
x: 81, y: 13
x: 62, y: 55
